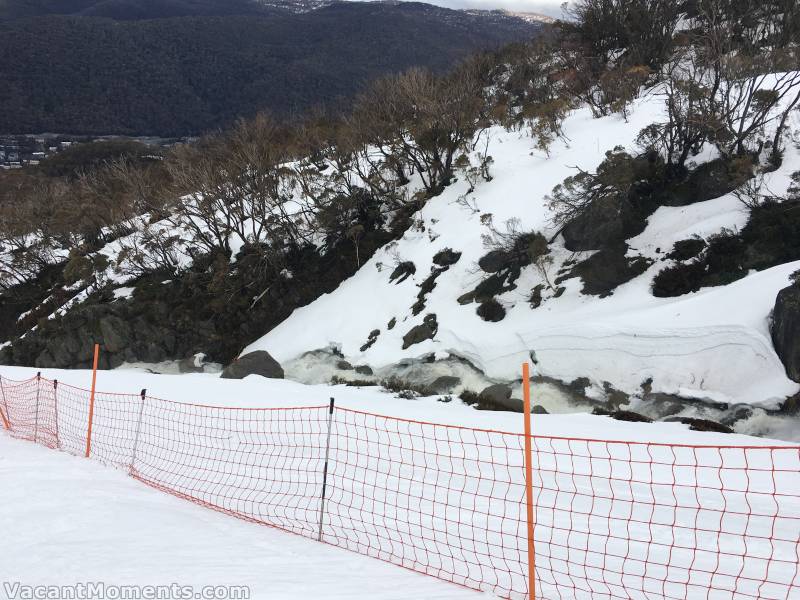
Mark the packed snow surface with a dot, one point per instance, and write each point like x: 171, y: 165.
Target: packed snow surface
x: 67, y: 520
x: 712, y: 344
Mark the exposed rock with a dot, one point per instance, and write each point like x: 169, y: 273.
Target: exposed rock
x: 425, y: 331
x: 498, y: 397
x: 373, y: 337
x: 466, y: 298
x: 491, y: 310
x: 343, y: 365
x: 786, y: 329
x: 701, y: 424
x: 116, y: 333
x: 710, y: 180
x: 791, y: 406
x: 403, y: 271
x: 607, y: 222
x: 444, y: 384
x: 446, y: 257
x: 604, y: 271
x: 425, y: 288
x: 622, y: 415
x: 192, y: 364
x: 392, y: 323
x: 254, y: 363
x: 538, y: 409
x: 736, y: 414
x: 535, y: 298
x: 494, y: 261
x: 364, y: 370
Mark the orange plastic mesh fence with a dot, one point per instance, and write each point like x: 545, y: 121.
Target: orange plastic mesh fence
x: 614, y: 520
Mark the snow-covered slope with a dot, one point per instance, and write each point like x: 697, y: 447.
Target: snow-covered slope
x: 67, y: 520
x: 711, y: 344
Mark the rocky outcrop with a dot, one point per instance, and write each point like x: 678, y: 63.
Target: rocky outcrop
x: 123, y: 337
x: 786, y: 329
x: 254, y: 363
x: 606, y: 270
x: 425, y: 331
x: 606, y: 222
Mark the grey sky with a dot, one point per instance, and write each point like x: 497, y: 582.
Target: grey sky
x: 551, y: 8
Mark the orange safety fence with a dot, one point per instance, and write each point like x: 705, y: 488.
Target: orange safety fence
x: 613, y: 520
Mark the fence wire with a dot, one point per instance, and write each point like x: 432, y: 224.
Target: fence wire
x: 614, y: 520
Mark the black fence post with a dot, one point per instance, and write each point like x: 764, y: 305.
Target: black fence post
x: 143, y: 395
x: 325, y: 471
x: 36, y: 422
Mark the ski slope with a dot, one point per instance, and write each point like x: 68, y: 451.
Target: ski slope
x: 673, y: 517
x: 67, y: 520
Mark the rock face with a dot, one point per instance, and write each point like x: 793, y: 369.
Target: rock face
x: 255, y: 363
x: 786, y: 329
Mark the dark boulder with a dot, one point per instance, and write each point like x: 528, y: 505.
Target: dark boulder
x: 701, y: 424
x: 606, y: 270
x: 491, y: 310
x: 444, y: 384
x: 791, y: 406
x: 606, y: 222
x: 403, y: 271
x: 254, y: 363
x: 446, y: 257
x: 498, y: 397
x: 786, y: 329
x: 494, y: 261
x: 191, y: 364
x: 425, y: 331
x: 363, y: 370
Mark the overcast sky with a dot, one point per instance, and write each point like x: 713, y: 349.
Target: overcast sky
x: 551, y: 8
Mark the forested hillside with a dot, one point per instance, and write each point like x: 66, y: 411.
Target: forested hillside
x: 192, y: 74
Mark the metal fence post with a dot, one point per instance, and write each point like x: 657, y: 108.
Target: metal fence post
x: 143, y: 395
x: 36, y: 422
x: 325, y: 471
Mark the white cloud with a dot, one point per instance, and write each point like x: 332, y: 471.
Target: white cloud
x: 551, y: 8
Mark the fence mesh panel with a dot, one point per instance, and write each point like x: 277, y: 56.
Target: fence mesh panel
x: 614, y: 520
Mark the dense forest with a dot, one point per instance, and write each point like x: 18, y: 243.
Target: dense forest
x: 192, y: 74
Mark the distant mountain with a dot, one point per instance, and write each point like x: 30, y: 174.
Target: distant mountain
x: 130, y: 9
x: 182, y: 67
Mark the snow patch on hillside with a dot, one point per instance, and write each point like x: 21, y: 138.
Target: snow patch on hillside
x: 712, y: 344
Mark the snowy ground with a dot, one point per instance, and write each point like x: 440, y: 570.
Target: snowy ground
x: 448, y: 502
x: 65, y: 520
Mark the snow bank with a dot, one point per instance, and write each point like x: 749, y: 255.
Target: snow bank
x: 711, y: 344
